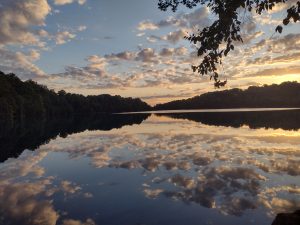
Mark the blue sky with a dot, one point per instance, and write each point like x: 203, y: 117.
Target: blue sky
x: 110, y: 28
x: 131, y: 48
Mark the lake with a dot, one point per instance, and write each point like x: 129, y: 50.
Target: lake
x: 211, y: 167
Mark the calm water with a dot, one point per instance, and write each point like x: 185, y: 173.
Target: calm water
x: 220, y: 168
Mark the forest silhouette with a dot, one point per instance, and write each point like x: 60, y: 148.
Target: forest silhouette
x: 284, y: 95
x: 31, y: 114
x: 31, y: 101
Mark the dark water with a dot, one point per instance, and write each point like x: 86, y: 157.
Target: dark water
x: 183, y: 168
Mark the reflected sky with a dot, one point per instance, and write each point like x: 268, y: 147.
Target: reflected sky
x: 163, y: 171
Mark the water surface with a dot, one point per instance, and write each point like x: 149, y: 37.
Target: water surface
x: 185, y: 168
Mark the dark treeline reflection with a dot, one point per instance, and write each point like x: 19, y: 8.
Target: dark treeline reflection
x: 31, y: 134
x: 284, y: 119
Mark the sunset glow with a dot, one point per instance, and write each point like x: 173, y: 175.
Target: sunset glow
x: 131, y: 48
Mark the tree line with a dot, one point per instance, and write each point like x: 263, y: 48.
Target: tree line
x: 20, y: 101
x: 283, y: 95
x: 28, y: 100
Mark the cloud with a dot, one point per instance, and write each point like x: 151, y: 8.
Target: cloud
x: 149, y: 67
x: 277, y: 71
x: 82, y: 28
x: 167, y: 52
x: 185, y: 23
x: 34, y: 55
x: 29, y: 194
x: 15, y: 168
x: 196, y: 19
x: 21, y: 203
x: 78, y: 222
x: 277, y: 45
x: 147, y: 25
x: 20, y: 63
x: 181, y: 51
x: 154, y: 38
x: 289, y: 42
x: 17, y: 19
x: 267, y: 57
x: 234, y: 66
x: 153, y: 194
x: 122, y: 55
x: 22, y: 22
x: 69, y: 188
x: 146, y: 55
x: 166, y: 96
x: 64, y: 37
x: 96, y: 62
x: 176, y: 36
x: 217, y: 187
x: 22, y: 207
x: 226, y: 163
x: 182, y: 181
x: 129, y: 69
x: 64, y: 2
x: 290, y: 166
x: 282, y: 59
x: 280, y: 205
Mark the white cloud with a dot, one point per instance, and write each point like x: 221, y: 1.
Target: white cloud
x: 78, y: 222
x: 148, y: 68
x: 97, y: 63
x: 64, y: 37
x: 175, y: 36
x: 140, y: 34
x: 64, y: 2
x: 196, y: 19
x: 82, y: 28
x: 184, y: 22
x: 17, y: 18
x: 23, y: 208
x: 43, y: 33
x: 146, y: 55
x: 20, y: 63
x: 147, y: 25
x: 34, y: 55
x: 122, y: 55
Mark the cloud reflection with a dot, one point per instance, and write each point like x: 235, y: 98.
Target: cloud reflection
x: 221, y: 168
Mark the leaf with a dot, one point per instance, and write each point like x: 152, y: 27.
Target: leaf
x: 286, y: 21
x: 226, y: 51
x: 279, y: 29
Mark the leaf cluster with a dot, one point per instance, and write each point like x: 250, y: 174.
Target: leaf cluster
x: 226, y: 29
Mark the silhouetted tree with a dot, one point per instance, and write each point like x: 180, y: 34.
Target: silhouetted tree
x: 28, y: 100
x: 286, y: 94
x: 226, y: 29
x: 287, y: 218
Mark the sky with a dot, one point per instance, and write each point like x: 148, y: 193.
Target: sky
x: 131, y: 48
